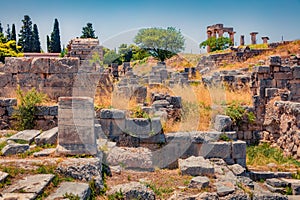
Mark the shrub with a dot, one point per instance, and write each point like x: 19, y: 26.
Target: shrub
x: 238, y: 113
x: 138, y: 112
x: 26, y: 109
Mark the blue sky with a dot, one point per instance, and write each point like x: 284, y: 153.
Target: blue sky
x: 117, y: 22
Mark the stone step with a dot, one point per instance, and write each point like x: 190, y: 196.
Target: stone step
x: 3, y: 176
x: 25, y: 136
x: 30, y: 184
x: 82, y: 190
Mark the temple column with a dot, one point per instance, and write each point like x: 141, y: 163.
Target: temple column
x: 265, y: 40
x: 242, y: 40
x: 253, y: 37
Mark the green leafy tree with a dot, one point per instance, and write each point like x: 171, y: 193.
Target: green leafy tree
x: 13, y: 33
x: 8, y: 33
x: 25, y: 36
x: 8, y: 48
x: 111, y: 57
x: 216, y: 44
x: 88, y: 31
x: 36, y: 45
x: 125, y: 53
x: 160, y: 43
x: 55, y: 45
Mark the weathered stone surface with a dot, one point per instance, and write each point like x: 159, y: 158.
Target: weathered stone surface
x: 44, y: 152
x: 216, y: 150
x: 224, y: 188
x: 275, y: 189
x: 82, y: 190
x: 195, y: 166
x: 138, y: 127
x: 237, y: 169
x: 239, y: 149
x: 275, y: 182
x: 295, y: 185
x: 199, y: 182
x: 113, y: 128
x: 131, y: 158
x: 223, y: 123
x: 25, y: 136
x: 255, y: 175
x: 3, y: 176
x: 6, y: 102
x: 31, y: 184
x: 47, y: 137
x: 112, y: 114
x: 12, y: 149
x: 76, y: 121
x: 84, y: 169
x: 133, y: 190
x: 19, y: 196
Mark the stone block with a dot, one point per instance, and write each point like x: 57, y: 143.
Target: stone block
x: 31, y: 184
x: 59, y: 80
x: 283, y: 76
x: 113, y: 128
x: 138, y: 127
x: 25, y: 136
x: 112, y: 114
x: 275, y: 182
x: 131, y: 158
x: 76, y: 134
x: 224, y: 188
x: 5, y: 102
x: 47, y: 137
x: 222, y: 123
x: 19, y: 196
x: 26, y: 80
x: 195, y: 166
x: 285, y: 69
x: 239, y: 150
x: 63, y: 65
x: 44, y: 152
x: 40, y: 65
x: 5, y: 79
x: 270, y: 92
x: 275, y: 61
x: 176, y: 101
x: 156, y: 126
x: 199, y: 182
x: 296, y: 72
x: 3, y: 176
x: 12, y: 149
x: 82, y: 190
x: 17, y: 65
x: 216, y: 150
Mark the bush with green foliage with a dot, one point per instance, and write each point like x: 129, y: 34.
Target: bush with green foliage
x: 238, y: 114
x: 216, y: 44
x: 88, y: 31
x: 26, y: 109
x: 8, y: 48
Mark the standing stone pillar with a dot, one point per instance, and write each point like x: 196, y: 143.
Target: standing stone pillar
x: 253, y: 37
x: 76, y: 126
x: 231, y: 36
x: 242, y: 40
x: 265, y: 40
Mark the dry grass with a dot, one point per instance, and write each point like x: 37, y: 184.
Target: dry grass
x: 164, y: 181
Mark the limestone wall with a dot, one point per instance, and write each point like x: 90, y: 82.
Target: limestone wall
x: 45, y: 119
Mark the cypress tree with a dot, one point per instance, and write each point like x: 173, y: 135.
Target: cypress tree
x: 88, y: 31
x: 55, y: 45
x: 36, y: 45
x: 48, y: 44
x: 25, y: 36
x: 1, y: 29
x: 13, y: 33
x: 8, y: 33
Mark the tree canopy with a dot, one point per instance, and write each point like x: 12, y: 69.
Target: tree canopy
x: 88, y: 31
x: 160, y: 43
x: 36, y: 44
x: 111, y: 57
x: 216, y: 44
x: 25, y: 36
x: 8, y: 48
x: 55, y: 44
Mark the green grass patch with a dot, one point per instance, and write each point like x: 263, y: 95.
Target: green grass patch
x: 264, y: 154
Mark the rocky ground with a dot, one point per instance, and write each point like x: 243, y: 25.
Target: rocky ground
x: 30, y: 169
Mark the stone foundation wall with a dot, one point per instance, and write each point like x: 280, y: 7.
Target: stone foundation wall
x: 45, y: 119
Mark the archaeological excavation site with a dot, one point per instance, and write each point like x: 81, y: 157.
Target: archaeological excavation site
x: 147, y: 122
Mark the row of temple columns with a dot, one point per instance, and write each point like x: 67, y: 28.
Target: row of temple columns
x: 220, y: 33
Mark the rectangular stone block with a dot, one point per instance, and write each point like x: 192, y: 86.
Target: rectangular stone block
x: 76, y: 128
x: 216, y: 150
x: 40, y: 65
x: 17, y: 65
x: 270, y: 92
x: 27, y: 80
x: 59, y: 80
x: 239, y: 149
x: 63, y: 65
x: 112, y: 114
x: 113, y: 128
x: 138, y: 127
x: 283, y: 76
x: 296, y: 72
x: 5, y: 79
